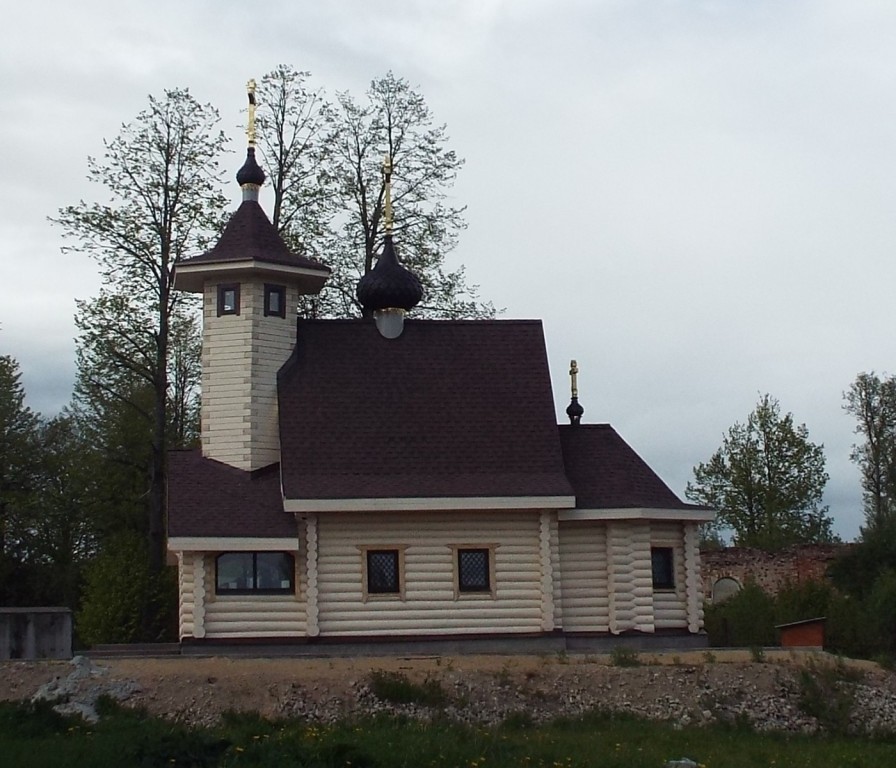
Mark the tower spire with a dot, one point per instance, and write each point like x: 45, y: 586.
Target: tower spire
x: 250, y: 177
x: 387, y: 204
x: 390, y: 289
x: 574, y: 410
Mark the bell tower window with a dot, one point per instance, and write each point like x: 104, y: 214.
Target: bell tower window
x: 229, y: 299
x: 274, y: 300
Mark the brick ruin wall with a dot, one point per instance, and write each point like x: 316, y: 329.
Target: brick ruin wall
x: 770, y: 570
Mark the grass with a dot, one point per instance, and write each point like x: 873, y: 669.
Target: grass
x: 29, y: 737
x: 397, y: 688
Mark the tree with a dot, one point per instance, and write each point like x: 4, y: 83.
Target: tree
x: 872, y: 401
x: 295, y: 126
x: 326, y: 168
x: 19, y: 470
x: 162, y: 179
x: 767, y: 481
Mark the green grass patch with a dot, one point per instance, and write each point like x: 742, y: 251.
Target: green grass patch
x: 29, y: 737
x: 397, y: 688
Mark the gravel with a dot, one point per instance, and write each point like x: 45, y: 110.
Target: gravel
x: 483, y: 690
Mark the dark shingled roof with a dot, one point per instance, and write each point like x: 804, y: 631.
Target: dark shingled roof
x: 208, y: 498
x: 250, y: 235
x: 449, y: 408
x: 607, y: 474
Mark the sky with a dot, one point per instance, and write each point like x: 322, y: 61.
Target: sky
x: 694, y: 196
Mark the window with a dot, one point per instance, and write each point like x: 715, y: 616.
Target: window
x: 473, y: 571
x: 229, y: 299
x: 274, y: 300
x: 383, y: 572
x: 663, y: 567
x: 254, y: 573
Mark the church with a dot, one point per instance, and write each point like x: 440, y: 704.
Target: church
x: 389, y: 478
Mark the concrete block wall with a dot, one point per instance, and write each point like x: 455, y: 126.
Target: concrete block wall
x: 35, y: 633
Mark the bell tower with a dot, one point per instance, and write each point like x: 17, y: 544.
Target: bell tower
x: 250, y: 283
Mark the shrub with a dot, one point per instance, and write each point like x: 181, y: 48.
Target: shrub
x: 746, y: 619
x: 827, y: 693
x: 396, y: 688
x: 123, y: 602
x: 623, y: 656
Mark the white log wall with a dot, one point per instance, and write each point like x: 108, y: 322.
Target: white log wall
x: 693, y: 580
x: 185, y: 593
x: 670, y: 606
x: 607, y: 576
x: 630, y: 576
x: 430, y: 605
x: 241, y: 355
x: 583, y: 563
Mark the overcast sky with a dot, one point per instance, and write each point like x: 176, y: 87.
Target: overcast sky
x: 696, y: 197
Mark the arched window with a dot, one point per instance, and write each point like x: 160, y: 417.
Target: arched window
x: 724, y: 588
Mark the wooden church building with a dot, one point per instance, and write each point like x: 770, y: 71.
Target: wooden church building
x: 388, y: 478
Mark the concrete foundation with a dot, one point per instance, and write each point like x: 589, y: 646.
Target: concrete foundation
x: 35, y: 633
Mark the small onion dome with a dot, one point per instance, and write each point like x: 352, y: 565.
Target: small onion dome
x: 251, y: 172
x: 388, y: 285
x: 575, y: 411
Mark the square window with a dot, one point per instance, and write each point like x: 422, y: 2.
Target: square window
x: 229, y: 299
x: 663, y: 563
x: 473, y: 573
x: 274, y: 300
x: 383, y: 577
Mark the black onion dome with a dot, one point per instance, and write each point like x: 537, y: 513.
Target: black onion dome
x: 389, y: 285
x: 251, y: 172
x: 575, y: 411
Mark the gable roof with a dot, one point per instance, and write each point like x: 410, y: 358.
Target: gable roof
x: 208, y: 498
x: 451, y: 408
x: 250, y: 235
x: 606, y: 473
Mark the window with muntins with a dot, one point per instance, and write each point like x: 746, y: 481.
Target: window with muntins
x: 229, y: 299
x: 663, y: 563
x: 274, y: 300
x: 265, y: 573
x: 383, y: 577
x: 473, y: 573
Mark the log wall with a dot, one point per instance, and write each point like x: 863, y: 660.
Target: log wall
x: 430, y: 604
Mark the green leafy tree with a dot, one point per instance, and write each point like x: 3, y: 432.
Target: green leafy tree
x: 326, y: 168
x: 767, y: 481
x: 162, y: 181
x: 871, y: 400
x: 19, y: 473
x: 295, y: 125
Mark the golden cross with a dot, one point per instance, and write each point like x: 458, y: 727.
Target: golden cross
x: 250, y: 130
x: 573, y: 372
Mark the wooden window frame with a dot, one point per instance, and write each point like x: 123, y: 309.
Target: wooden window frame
x: 224, y: 288
x: 660, y: 584
x: 399, y: 550
x: 254, y: 590
x: 475, y: 594
x: 280, y: 290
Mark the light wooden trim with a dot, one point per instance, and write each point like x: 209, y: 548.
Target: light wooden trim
x: 227, y: 544
x: 426, y: 504
x: 638, y: 513
x: 492, y: 592
x: 378, y: 596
